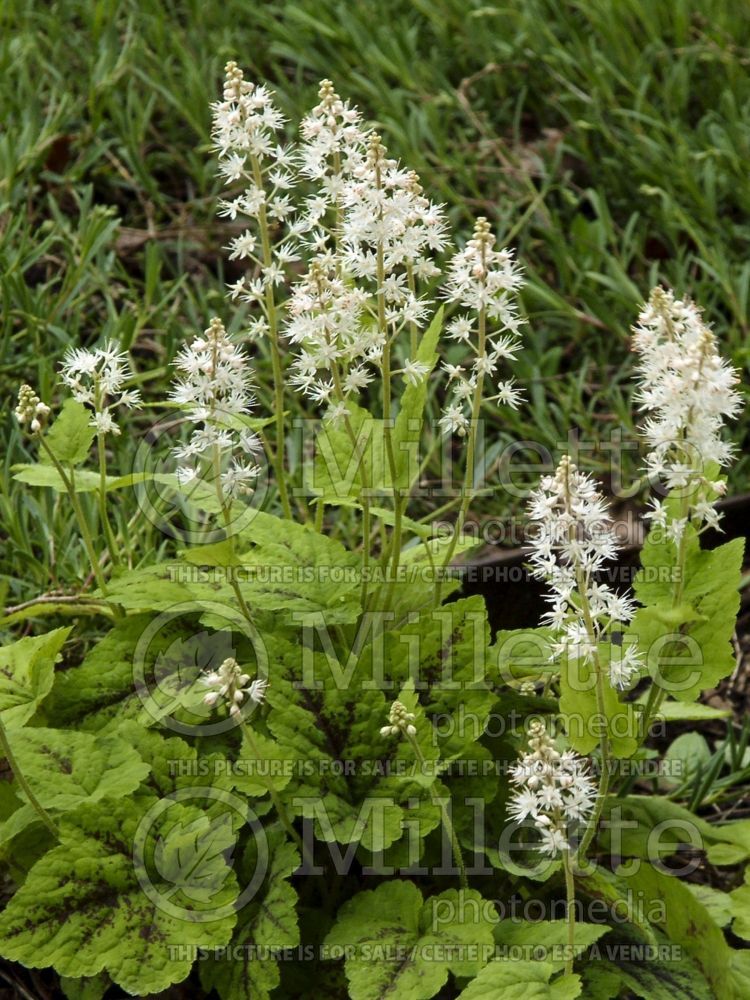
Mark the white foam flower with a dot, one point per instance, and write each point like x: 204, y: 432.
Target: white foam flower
x: 553, y: 789
x: 414, y: 371
x: 246, y: 131
x: 454, y: 420
x: 215, y: 386
x: 333, y: 145
x: 242, y: 246
x: 572, y: 541
x: 337, y: 348
x: 390, y: 233
x: 230, y: 686
x: 625, y: 660
x: 98, y: 378
x: 508, y: 394
x: 326, y: 324
x: 245, y: 121
x: 686, y: 392
x: 332, y: 130
x: 485, y: 281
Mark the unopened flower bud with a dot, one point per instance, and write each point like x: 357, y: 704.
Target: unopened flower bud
x: 401, y: 721
x: 31, y: 411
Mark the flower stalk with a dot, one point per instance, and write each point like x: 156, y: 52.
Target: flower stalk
x: 7, y: 752
x: 401, y: 723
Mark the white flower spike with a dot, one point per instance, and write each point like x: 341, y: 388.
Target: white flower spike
x: 484, y: 281
x: 31, y: 412
x: 215, y: 386
x: 553, y: 789
x: 686, y: 390
x: 572, y: 542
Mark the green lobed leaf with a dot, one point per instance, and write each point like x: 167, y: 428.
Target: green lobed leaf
x: 685, y: 757
x: 280, y: 567
x: 399, y: 945
x: 39, y: 474
x: 264, y: 763
x: 71, y: 435
x: 546, y: 940
x: 26, y: 674
x: 66, y: 769
x: 739, y: 908
x: 650, y: 972
x: 579, y: 706
x: 524, y: 652
x: 268, y: 922
x: 701, y: 653
x: 83, y: 911
x: 687, y: 922
x: 139, y: 672
x: 90, y: 988
x: 651, y: 826
x: 717, y: 903
x: 192, y: 857
x: 321, y: 721
x: 344, y: 462
x: 84, y: 480
x: 620, y: 905
x: 653, y: 978
x: 512, y: 979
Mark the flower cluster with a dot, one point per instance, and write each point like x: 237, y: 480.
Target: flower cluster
x: 484, y: 281
x: 400, y: 721
x: 553, y: 788
x: 230, y: 685
x: 371, y: 237
x: 687, y: 391
x: 215, y: 386
x: 390, y: 226
x: 332, y: 148
x: 31, y: 412
x: 360, y: 291
x: 326, y: 315
x: 97, y: 378
x: 572, y: 541
x: 246, y: 125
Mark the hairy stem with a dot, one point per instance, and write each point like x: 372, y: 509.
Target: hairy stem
x: 467, y: 494
x: 273, y: 334
x: 80, y: 517
x: 21, y: 779
x: 657, y: 694
x: 104, y: 516
x: 437, y: 800
x: 274, y: 795
x: 570, y: 911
